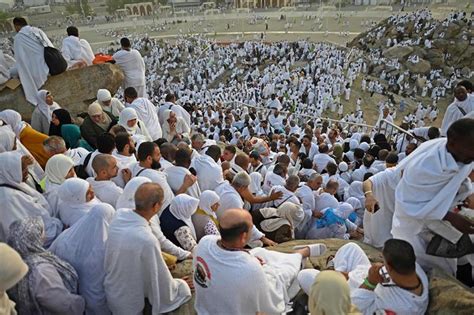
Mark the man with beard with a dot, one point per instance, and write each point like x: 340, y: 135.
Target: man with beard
x: 148, y: 165
x: 463, y: 104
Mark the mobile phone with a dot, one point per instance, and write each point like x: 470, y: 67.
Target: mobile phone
x: 384, y: 274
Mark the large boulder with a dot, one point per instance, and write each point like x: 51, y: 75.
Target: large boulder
x: 399, y: 52
x: 74, y: 90
x: 421, y: 67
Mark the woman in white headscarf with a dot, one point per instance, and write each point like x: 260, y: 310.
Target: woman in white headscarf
x: 174, y: 128
x: 50, y: 287
x: 83, y: 246
x: 43, y: 112
x: 205, y: 219
x: 176, y: 222
x: 20, y: 200
x: 76, y: 198
x: 58, y: 168
x: 12, y: 270
x: 135, y: 127
x: 279, y: 224
x: 7, y: 139
x: 127, y: 199
x: 109, y: 104
x: 358, y: 215
x: 355, y: 190
x: 29, y: 137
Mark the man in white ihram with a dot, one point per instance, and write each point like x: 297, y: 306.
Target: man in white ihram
x: 134, y: 266
x: 228, y: 279
x: 435, y: 179
x: 133, y: 67
x: 29, y: 55
x: 77, y: 51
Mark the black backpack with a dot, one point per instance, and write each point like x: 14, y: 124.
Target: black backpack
x: 53, y: 57
x: 81, y: 168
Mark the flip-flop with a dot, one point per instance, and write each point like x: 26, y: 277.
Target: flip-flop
x: 314, y: 249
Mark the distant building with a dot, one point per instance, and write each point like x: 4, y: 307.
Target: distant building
x: 39, y: 9
x: 34, y: 3
x: 251, y: 4
x: 141, y: 8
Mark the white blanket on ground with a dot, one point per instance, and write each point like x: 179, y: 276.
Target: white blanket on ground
x: 30, y: 63
x: 135, y: 269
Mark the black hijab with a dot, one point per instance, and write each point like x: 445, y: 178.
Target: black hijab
x: 64, y: 118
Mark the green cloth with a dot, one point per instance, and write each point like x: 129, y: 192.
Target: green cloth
x: 72, y: 136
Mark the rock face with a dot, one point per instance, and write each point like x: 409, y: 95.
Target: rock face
x: 73, y: 90
x: 447, y: 295
x: 452, y: 45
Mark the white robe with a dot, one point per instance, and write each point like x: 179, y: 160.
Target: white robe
x: 75, y: 50
x: 156, y: 177
x: 106, y: 190
x: 132, y: 64
x: 175, y: 177
x: 209, y: 173
x: 83, y: 246
x: 135, y: 269
x: 146, y: 112
x: 30, y: 63
x: 431, y: 185
x: 178, y: 109
x: 255, y: 288
x: 453, y: 113
x: 378, y: 225
x: 17, y: 205
x: 272, y: 179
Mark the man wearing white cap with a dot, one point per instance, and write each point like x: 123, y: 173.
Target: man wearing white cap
x: 108, y: 103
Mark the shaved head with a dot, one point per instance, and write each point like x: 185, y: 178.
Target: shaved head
x: 233, y: 223
x: 242, y: 160
x: 147, y: 196
x: 102, y: 162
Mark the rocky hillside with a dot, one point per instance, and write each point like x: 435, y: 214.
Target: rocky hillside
x: 446, y: 45
x: 73, y: 90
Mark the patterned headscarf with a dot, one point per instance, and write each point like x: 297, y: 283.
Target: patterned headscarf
x: 26, y: 237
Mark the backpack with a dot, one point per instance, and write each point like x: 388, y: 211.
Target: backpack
x: 81, y: 168
x: 53, y: 57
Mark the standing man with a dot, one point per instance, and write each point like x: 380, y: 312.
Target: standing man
x: 29, y: 55
x: 133, y: 67
x: 434, y: 181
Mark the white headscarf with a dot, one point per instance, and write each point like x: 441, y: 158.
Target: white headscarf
x: 83, y: 246
x: 44, y: 108
x: 126, y: 115
x: 7, y: 139
x: 127, y: 198
x: 355, y: 203
x: 57, y: 168
x: 182, y: 208
x: 355, y: 190
x: 10, y: 169
x: 103, y: 95
x: 207, y: 199
x: 73, y: 204
x: 13, y: 119
x: 344, y: 210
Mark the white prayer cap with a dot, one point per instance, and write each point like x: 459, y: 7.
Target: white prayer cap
x: 57, y: 167
x: 73, y: 190
x: 364, y: 146
x: 343, y: 167
x: 103, y: 95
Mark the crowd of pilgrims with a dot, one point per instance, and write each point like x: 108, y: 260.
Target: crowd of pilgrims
x: 102, y: 206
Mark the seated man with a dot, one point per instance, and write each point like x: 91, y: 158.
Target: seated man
x: 398, y: 285
x: 135, y: 271
x: 77, y: 51
x: 262, y: 281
